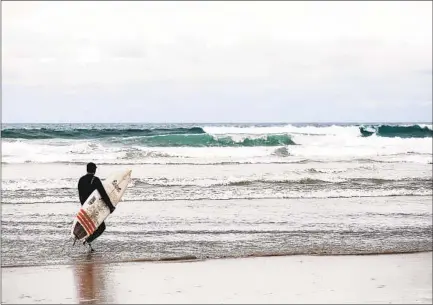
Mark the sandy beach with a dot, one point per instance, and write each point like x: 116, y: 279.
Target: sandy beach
x: 399, y: 278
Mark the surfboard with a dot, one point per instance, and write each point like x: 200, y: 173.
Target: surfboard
x: 94, y: 210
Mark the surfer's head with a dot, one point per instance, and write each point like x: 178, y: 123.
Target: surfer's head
x: 91, y: 168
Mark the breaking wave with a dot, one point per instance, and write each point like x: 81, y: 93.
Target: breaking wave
x: 158, y: 137
x: 93, y: 133
x: 390, y: 131
x: 206, y: 140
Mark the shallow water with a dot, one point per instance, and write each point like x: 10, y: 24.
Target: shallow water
x: 34, y: 234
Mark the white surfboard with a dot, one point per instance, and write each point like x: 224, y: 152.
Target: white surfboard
x: 94, y: 210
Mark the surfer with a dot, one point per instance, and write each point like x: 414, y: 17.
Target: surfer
x: 86, y: 185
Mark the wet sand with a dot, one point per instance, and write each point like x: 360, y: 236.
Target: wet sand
x: 397, y: 278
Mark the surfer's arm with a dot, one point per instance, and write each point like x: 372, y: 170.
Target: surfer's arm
x: 104, y: 194
x: 82, y: 199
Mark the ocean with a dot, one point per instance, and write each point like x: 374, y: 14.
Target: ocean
x: 204, y: 191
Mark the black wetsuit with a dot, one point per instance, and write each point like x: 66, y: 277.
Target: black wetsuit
x: 86, y: 185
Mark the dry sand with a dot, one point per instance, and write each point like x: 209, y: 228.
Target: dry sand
x: 398, y: 278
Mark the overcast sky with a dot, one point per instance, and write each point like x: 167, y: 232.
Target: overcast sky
x: 216, y: 61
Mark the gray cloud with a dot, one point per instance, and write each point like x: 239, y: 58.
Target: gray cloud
x: 361, y: 55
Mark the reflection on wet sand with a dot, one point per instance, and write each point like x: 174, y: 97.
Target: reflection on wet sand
x: 397, y: 278
x: 90, y: 282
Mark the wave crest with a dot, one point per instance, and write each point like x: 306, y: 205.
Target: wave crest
x: 206, y: 140
x: 85, y: 133
x: 390, y: 131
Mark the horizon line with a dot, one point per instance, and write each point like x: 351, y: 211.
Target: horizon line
x: 233, y: 122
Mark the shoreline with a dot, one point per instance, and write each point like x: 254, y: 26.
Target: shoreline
x: 193, y: 259
x: 388, y: 278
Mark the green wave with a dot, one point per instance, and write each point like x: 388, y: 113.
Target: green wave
x: 206, y: 140
x: 158, y: 137
x: 394, y: 131
x: 84, y: 133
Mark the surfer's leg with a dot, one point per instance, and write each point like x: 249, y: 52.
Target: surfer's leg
x: 97, y: 233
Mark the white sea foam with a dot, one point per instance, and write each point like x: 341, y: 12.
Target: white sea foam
x: 331, y: 143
